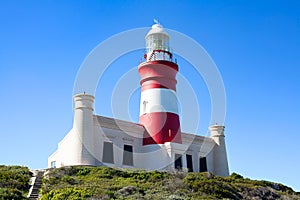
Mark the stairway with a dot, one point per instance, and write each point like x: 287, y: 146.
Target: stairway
x: 36, y: 186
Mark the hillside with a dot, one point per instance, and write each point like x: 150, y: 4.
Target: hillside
x: 14, y: 182
x: 110, y: 183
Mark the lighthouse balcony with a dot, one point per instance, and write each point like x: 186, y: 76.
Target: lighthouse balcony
x: 158, y: 55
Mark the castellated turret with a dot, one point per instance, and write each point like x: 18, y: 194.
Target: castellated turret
x: 220, y: 155
x: 83, y: 129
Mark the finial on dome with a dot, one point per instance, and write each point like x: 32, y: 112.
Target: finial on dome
x: 156, y: 21
x: 156, y: 24
x: 157, y: 28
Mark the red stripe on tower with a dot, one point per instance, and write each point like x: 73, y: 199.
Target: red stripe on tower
x: 159, y: 104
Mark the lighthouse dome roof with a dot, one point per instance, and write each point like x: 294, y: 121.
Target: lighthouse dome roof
x: 157, y: 29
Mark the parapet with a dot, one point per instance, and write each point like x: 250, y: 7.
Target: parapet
x: 83, y: 101
x: 216, y: 130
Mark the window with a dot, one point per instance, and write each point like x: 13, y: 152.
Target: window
x: 189, y: 162
x: 145, y: 107
x: 108, y: 152
x: 203, y: 165
x: 178, y: 161
x: 53, y: 164
x: 128, y: 155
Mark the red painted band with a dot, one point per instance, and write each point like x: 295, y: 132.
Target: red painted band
x: 157, y: 71
x: 163, y: 62
x: 157, y: 74
x: 152, y: 84
x: 161, y: 127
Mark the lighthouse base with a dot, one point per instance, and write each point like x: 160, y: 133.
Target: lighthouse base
x: 161, y: 127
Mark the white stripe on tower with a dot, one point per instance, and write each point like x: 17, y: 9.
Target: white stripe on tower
x: 158, y: 100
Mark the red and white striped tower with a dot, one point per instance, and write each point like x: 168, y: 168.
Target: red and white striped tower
x: 159, y: 106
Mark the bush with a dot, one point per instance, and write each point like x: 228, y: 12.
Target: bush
x: 67, y: 193
x: 204, y: 183
x: 83, y: 171
x: 150, y: 176
x: 14, y: 182
x: 69, y: 179
x: 236, y: 176
x: 10, y: 193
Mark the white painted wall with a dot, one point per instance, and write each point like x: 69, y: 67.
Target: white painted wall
x: 158, y: 100
x: 69, y: 151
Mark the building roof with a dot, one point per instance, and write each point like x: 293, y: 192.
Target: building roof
x: 132, y: 127
x: 117, y: 124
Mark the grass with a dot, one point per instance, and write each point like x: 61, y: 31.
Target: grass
x: 83, y: 182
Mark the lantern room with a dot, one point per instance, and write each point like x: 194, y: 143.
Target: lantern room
x: 157, y: 44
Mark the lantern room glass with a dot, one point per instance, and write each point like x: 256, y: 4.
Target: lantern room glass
x: 157, y: 42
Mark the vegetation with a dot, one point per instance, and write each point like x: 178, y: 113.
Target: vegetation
x: 110, y: 183
x: 14, y: 182
x: 82, y: 182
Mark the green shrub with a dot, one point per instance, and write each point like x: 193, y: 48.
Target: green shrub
x: 236, y: 176
x: 11, y: 193
x: 204, y: 183
x: 69, y: 179
x: 150, y: 176
x: 14, y: 182
x: 67, y: 193
x: 83, y: 171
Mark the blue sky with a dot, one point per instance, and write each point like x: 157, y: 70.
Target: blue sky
x: 255, y: 44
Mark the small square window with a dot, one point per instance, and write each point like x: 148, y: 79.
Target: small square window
x: 53, y: 164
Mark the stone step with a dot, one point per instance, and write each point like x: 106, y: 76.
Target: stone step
x: 36, y: 186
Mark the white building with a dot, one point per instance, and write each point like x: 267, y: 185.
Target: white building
x: 156, y: 142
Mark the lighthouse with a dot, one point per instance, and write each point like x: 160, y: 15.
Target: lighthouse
x: 99, y: 140
x: 159, y: 104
